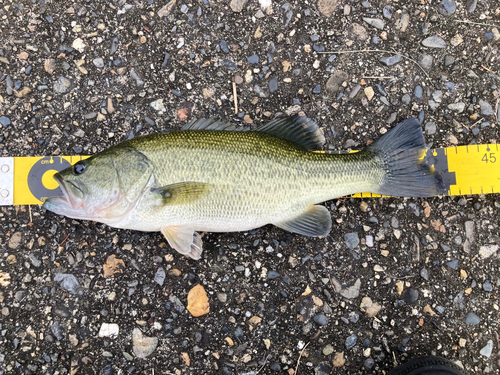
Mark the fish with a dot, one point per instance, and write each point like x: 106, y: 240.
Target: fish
x: 212, y: 176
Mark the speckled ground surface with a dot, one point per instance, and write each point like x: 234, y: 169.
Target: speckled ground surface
x: 395, y: 278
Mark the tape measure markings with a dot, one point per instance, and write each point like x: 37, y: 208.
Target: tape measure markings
x: 6, y: 181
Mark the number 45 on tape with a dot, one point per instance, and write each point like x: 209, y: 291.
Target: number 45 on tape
x: 466, y: 170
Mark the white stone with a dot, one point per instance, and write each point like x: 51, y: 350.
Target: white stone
x: 110, y: 330
x: 79, y: 45
x: 158, y: 105
x: 487, y: 250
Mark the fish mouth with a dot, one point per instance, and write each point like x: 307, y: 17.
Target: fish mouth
x: 72, y: 198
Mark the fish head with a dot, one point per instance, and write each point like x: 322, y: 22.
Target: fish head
x: 105, y: 187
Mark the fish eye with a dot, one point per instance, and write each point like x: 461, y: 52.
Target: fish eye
x: 79, y: 168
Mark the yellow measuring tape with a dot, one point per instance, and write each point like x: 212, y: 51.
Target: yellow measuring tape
x: 466, y: 170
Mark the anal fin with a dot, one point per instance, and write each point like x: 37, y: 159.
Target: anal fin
x: 314, y: 222
x: 184, y: 240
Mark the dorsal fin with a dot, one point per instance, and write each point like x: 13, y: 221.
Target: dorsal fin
x: 297, y: 129
x: 211, y: 124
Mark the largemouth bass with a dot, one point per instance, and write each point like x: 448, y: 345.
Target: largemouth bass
x: 212, y: 177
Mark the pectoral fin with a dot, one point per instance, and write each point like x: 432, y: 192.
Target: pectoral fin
x: 181, y: 192
x: 184, y: 239
x: 314, y: 222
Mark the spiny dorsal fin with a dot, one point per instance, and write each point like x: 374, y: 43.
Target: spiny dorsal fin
x: 297, y: 129
x: 211, y: 124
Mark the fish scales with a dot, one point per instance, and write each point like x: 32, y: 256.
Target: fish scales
x: 256, y: 179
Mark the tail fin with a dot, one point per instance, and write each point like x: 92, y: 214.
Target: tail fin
x: 399, y: 152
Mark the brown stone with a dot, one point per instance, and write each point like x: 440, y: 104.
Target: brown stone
x: 198, y: 301
x: 327, y: 7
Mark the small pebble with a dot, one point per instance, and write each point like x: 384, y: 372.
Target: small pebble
x: 456, y: 40
x: 143, y: 346
x: 114, y: 45
x: 90, y: 115
x: 98, y: 62
x: 321, y: 320
x: 35, y: 260
x: 457, y: 107
x: 5, y: 121
x: 390, y: 60
x: 418, y: 92
x: 369, y: 364
x: 375, y: 22
x: 387, y: 11
x: 327, y: 350
x: 434, y: 41
x: 318, y: 47
x: 471, y: 6
x: 430, y: 128
x: 134, y: 75
x: 351, y: 341
x: 351, y: 240
x: 487, y: 251
x: 472, y: 319
x: 166, y: 60
x: 57, y: 330
x: 369, y: 241
x: 62, y: 85
x: 487, y: 287
x: 273, y: 85
x: 410, y: 296
x: 253, y: 59
x: 275, y: 366
x: 317, y: 89
x: 160, y: 276
x: 273, y: 275
x: 354, y: 91
x: 487, y: 349
x: 109, y: 330
x: 447, y: 7
x: 68, y: 282
x: 486, y: 109
x: 425, y: 61
x: 223, y: 46
x: 448, y: 60
x: 424, y: 274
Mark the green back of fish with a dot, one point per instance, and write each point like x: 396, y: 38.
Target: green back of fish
x: 253, y: 174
